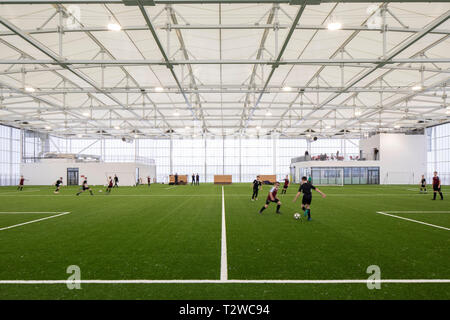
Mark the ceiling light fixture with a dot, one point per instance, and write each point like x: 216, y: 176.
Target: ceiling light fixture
x: 86, y: 114
x: 287, y: 89
x: 176, y: 113
x: 268, y: 113
x: 159, y: 89
x: 117, y: 127
x: 334, y: 26
x: 417, y: 88
x: 113, y: 26
x: 358, y: 112
x: 30, y: 89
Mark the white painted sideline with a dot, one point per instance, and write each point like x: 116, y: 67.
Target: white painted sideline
x: 412, y: 220
x: 34, y: 221
x: 213, y: 195
x: 223, y: 258
x: 16, y: 192
x: 418, y: 211
x: 27, y: 212
x: 144, y: 281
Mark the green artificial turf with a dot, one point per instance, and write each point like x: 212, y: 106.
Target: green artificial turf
x: 166, y: 233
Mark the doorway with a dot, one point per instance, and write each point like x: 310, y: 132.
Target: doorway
x: 72, y: 176
x: 373, y: 176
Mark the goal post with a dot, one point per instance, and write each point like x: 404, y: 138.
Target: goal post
x: 327, y: 176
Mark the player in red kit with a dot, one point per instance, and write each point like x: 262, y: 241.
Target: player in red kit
x: 21, y: 183
x: 110, y: 185
x: 286, y: 185
x: 272, y: 197
x: 437, y: 186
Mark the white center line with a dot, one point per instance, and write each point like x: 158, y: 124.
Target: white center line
x: 145, y: 281
x: 223, y: 260
x: 412, y: 220
x: 33, y: 221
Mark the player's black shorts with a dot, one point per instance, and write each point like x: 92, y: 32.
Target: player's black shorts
x: 307, y: 199
x: 269, y: 201
x: 436, y: 188
x: 424, y: 186
x: 85, y: 188
x: 285, y: 187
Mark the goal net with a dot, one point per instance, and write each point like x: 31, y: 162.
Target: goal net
x: 327, y: 176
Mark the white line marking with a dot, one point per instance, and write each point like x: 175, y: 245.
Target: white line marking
x: 144, y: 281
x: 412, y: 220
x: 223, y: 259
x: 212, y: 195
x: 27, y: 212
x: 32, y: 190
x: 33, y: 221
x: 417, y: 211
x: 170, y: 188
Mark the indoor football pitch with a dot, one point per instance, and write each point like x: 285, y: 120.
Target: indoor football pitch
x: 209, y: 242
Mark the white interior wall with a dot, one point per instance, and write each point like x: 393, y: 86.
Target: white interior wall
x: 48, y: 171
x: 147, y: 171
x: 403, y: 158
x: 368, y: 145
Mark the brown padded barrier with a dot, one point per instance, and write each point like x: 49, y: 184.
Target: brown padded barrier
x: 223, y: 179
x: 182, y: 179
x: 272, y: 178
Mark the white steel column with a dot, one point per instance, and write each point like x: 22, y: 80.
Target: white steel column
x: 274, y: 157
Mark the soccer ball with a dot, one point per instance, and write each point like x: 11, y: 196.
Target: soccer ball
x: 100, y: 190
x: 297, y: 216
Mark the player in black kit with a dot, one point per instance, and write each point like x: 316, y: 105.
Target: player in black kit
x: 58, y: 184
x: 256, y: 187
x: 305, y: 188
x: 423, y: 185
x: 85, y: 187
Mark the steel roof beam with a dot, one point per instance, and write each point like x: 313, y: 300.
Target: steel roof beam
x: 274, y: 63
x: 311, y: 2
x: 225, y: 90
x: 55, y: 58
x: 221, y: 27
x: 416, y: 37
x: 278, y: 59
x: 168, y: 63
